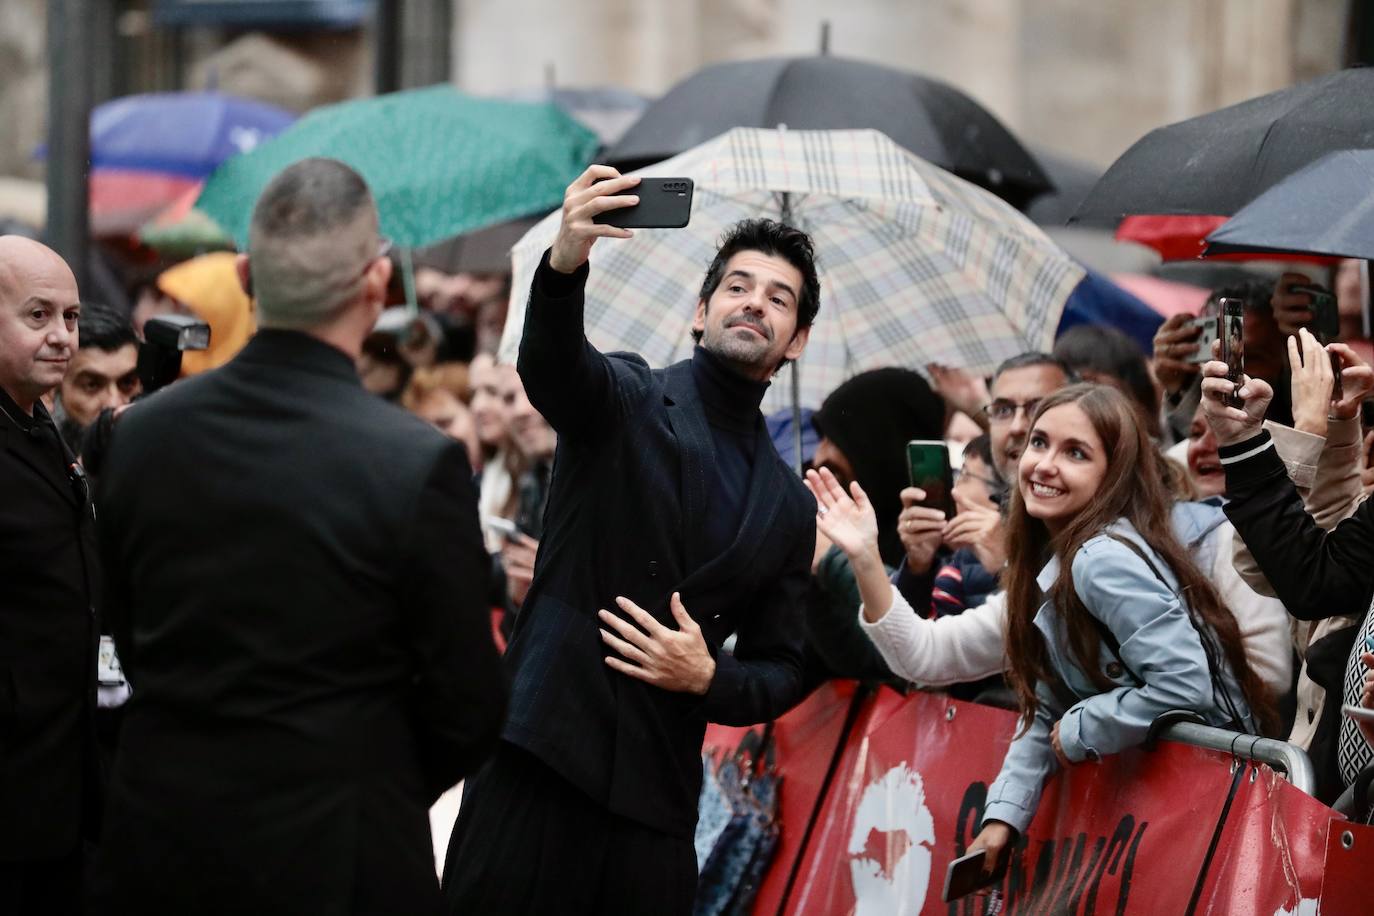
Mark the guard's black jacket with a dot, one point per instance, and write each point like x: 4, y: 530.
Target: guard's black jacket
x: 296, y: 580
x: 49, y: 581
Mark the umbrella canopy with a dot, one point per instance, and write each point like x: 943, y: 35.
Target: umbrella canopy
x: 916, y: 265
x: 439, y: 163
x: 1216, y: 163
x: 148, y: 150
x: 607, y: 111
x: 180, y: 133
x: 931, y: 119
x: 1324, y: 209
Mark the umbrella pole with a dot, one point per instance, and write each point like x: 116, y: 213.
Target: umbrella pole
x: 797, y: 416
x: 785, y: 216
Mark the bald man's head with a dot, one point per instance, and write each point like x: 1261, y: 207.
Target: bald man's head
x: 39, y: 308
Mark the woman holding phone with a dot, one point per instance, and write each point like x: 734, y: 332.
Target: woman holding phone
x: 1109, y: 623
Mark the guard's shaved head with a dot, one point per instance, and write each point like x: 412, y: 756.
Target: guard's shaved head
x: 23, y: 260
x: 38, y: 313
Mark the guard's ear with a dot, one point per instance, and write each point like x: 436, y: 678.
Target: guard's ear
x: 699, y: 319
x: 245, y: 272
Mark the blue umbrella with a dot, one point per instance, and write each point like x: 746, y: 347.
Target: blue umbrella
x: 1097, y: 300
x: 180, y: 133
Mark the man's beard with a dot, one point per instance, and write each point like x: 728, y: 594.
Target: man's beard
x: 738, y: 349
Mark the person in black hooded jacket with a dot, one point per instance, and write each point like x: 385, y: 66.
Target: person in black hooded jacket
x: 864, y: 426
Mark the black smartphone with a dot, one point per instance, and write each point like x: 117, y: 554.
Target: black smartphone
x: 1231, y: 333
x: 664, y: 203
x: 965, y: 875
x: 1326, y: 326
x: 927, y: 462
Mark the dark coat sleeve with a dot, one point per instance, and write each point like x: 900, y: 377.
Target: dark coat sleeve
x: 459, y: 695
x: 832, y: 623
x: 571, y: 383
x: 1315, y: 573
x: 762, y: 679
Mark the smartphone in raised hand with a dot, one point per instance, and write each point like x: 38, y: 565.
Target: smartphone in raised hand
x: 1231, y: 333
x: 664, y: 203
x: 927, y: 462
x: 1326, y: 327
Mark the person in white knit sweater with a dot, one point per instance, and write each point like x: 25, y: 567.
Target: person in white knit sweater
x: 1136, y: 630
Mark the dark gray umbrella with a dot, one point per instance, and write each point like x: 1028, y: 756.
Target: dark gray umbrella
x: 932, y: 119
x: 1216, y: 163
x: 1326, y: 208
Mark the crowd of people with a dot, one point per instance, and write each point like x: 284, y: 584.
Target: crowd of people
x: 257, y: 621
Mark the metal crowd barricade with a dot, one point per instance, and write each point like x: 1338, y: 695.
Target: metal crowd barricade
x: 1281, y: 756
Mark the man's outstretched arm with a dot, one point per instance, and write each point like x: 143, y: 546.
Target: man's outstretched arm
x: 568, y: 381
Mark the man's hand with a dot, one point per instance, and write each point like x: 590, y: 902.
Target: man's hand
x: 1357, y: 381
x: 1231, y: 424
x: 586, y: 197
x: 1174, y: 342
x: 979, y: 528
x: 919, y: 528
x: 517, y: 557
x: 1312, y: 382
x: 1291, y: 310
x: 964, y: 390
x: 675, y: 660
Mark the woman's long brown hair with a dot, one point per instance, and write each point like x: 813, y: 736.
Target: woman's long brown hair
x: 1133, y: 489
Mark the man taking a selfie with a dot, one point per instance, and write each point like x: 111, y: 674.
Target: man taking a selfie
x: 671, y: 524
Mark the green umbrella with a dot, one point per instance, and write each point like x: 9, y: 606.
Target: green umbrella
x: 439, y: 162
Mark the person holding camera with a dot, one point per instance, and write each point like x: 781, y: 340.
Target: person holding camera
x: 671, y: 524
x: 49, y: 588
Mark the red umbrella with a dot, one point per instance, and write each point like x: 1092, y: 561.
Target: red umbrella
x: 1167, y: 297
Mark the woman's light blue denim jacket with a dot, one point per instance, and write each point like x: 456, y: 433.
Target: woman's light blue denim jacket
x: 1158, y: 642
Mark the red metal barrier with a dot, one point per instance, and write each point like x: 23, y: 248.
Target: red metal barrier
x: 806, y: 739
x: 1129, y: 835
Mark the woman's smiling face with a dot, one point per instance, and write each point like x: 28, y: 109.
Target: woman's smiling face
x: 1062, y: 467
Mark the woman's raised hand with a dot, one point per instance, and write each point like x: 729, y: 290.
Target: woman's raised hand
x: 848, y: 521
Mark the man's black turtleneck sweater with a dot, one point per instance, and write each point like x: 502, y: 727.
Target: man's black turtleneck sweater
x: 731, y: 403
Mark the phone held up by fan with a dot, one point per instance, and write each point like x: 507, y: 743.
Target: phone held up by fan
x: 1231, y: 335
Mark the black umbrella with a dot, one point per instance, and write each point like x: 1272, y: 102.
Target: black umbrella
x: 1216, y: 163
x: 1326, y: 208
x: 932, y: 119
x: 1072, y: 180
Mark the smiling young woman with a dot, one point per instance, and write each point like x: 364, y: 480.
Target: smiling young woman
x: 1110, y: 622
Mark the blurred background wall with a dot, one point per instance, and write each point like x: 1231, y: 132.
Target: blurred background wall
x: 1080, y: 77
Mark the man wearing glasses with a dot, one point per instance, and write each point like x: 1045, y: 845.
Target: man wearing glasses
x: 48, y: 585
x: 1018, y: 387
x: 296, y: 581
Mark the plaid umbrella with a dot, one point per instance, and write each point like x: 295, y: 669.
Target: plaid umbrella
x: 916, y: 265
